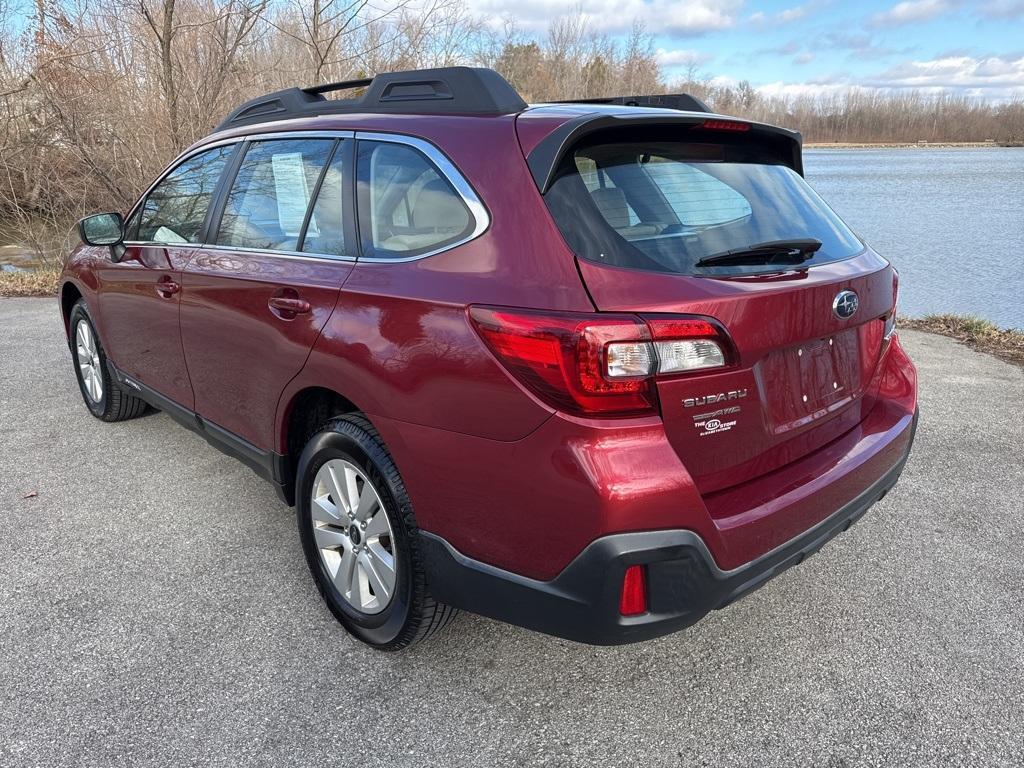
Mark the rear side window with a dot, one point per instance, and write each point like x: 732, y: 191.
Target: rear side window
x: 664, y: 206
x: 175, y: 209
x: 266, y: 207
x: 406, y: 205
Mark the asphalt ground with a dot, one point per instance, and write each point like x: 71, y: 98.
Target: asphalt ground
x: 155, y: 609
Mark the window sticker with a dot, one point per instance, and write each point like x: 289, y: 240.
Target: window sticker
x: 292, y: 193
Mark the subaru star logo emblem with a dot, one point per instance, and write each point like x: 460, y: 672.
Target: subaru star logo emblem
x: 845, y: 304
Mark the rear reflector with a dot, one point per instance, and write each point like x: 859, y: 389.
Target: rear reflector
x: 633, y: 601
x: 890, y: 320
x: 597, y: 364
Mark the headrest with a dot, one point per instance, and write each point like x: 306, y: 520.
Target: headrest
x: 439, y: 209
x: 611, y: 202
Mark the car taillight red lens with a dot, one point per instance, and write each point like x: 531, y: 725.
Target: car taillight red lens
x: 725, y: 125
x: 561, y: 357
x: 597, y: 364
x: 633, y: 600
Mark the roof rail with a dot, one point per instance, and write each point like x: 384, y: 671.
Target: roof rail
x: 681, y: 101
x: 443, y: 91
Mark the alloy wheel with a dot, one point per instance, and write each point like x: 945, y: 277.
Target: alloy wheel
x: 353, y: 536
x: 89, y: 361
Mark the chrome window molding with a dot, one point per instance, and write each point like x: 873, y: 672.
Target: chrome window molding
x: 481, y: 217
x: 479, y: 212
x: 234, y: 249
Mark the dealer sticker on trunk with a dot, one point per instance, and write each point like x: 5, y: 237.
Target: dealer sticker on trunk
x: 716, y: 421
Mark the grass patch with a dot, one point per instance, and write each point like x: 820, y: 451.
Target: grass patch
x: 39, y: 282
x: 1006, y: 343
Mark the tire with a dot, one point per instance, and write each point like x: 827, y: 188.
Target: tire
x: 350, y: 446
x: 102, y: 395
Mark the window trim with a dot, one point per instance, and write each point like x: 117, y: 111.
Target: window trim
x: 204, y: 230
x: 481, y: 216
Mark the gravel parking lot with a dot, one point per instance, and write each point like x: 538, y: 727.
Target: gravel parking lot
x: 155, y: 609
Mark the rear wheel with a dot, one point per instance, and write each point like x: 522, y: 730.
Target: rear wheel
x: 102, y: 395
x: 360, y: 538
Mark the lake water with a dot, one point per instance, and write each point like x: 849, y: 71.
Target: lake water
x: 950, y: 220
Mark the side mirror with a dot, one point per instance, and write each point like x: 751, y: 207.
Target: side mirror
x: 104, y: 229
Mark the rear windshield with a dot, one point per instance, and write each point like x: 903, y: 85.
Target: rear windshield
x: 663, y: 206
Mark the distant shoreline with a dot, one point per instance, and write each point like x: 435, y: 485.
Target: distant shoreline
x: 911, y: 145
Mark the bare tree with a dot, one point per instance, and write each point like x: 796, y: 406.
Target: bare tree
x: 97, y: 95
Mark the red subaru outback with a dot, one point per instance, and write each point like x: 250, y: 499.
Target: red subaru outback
x: 594, y: 369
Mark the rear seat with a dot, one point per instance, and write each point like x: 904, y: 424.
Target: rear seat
x: 437, y: 215
x: 611, y: 202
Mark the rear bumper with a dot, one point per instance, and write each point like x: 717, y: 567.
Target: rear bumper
x: 683, y: 581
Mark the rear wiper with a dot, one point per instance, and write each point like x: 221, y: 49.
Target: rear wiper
x: 773, y: 252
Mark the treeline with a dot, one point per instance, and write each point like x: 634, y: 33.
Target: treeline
x: 96, y: 97
x: 862, y: 115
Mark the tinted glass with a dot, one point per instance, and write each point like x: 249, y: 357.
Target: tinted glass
x: 326, y: 230
x: 175, y: 210
x: 408, y: 207
x: 665, y: 205
x: 267, y: 204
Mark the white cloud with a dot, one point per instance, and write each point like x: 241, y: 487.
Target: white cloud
x: 1003, y: 9
x: 812, y: 90
x: 963, y: 73
x: 912, y: 11
x: 664, y: 17
x: 681, y: 57
x: 787, y: 15
x: 792, y: 14
x: 993, y: 77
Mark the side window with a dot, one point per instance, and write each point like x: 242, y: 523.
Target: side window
x: 697, y: 198
x: 406, y: 206
x: 267, y: 204
x: 175, y: 209
x: 326, y: 230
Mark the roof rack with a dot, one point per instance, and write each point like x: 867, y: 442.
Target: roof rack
x: 443, y: 91
x: 681, y: 101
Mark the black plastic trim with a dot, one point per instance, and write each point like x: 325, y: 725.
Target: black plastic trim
x: 544, y: 159
x: 582, y: 602
x: 269, y: 465
x: 441, y: 91
x: 682, y: 101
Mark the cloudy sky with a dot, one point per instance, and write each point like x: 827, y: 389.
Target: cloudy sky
x: 818, y: 45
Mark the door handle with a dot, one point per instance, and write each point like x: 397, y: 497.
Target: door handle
x: 168, y: 287
x: 289, y: 306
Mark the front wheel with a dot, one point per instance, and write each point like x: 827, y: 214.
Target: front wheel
x: 102, y: 395
x: 360, y: 537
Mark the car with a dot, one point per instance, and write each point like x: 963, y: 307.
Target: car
x: 591, y: 368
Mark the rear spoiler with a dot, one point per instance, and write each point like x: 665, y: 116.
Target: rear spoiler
x: 544, y: 159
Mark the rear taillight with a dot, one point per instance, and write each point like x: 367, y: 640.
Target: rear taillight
x: 633, y: 599
x: 598, y: 364
x: 890, y: 320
